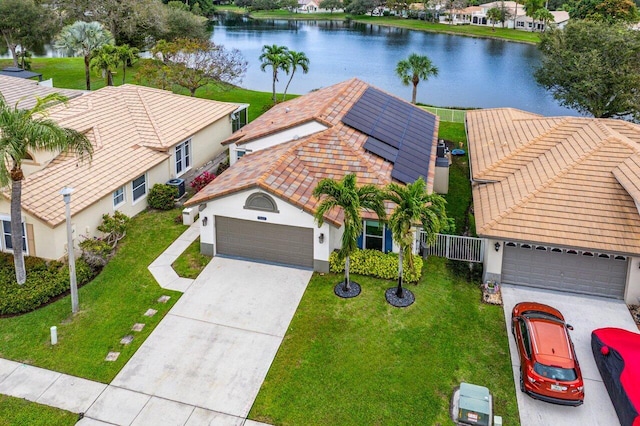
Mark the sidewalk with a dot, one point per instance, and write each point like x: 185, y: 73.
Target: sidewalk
x: 101, y: 404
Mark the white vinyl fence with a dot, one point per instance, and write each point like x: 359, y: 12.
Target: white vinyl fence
x: 455, y: 247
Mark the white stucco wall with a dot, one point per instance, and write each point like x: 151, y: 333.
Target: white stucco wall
x: 297, y: 132
x: 233, y: 206
x: 632, y: 293
x: 493, y: 260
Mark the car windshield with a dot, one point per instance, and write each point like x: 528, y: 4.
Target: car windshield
x: 542, y: 315
x: 555, y: 373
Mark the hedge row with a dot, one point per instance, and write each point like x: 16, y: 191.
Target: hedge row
x: 377, y: 264
x: 45, y: 280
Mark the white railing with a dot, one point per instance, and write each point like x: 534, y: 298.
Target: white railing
x: 455, y: 247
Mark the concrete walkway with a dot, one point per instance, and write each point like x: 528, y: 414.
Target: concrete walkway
x: 202, y: 365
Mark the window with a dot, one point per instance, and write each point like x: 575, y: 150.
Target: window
x: 139, y: 187
x: 525, y: 338
x: 239, y: 119
x: 373, y: 235
x: 183, y: 157
x: 118, y: 196
x: 262, y: 202
x: 6, y: 236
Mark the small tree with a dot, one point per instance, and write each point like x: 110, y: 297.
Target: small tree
x: 127, y: 56
x: 330, y: 5
x: 346, y: 195
x: 104, y: 60
x: 276, y: 57
x: 295, y: 59
x: 413, y: 69
x: 494, y: 15
x: 114, y: 227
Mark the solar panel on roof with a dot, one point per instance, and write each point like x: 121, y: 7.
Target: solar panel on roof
x: 398, y: 132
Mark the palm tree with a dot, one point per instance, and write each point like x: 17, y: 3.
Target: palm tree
x: 127, y: 56
x: 276, y: 57
x: 23, y: 131
x: 296, y: 59
x: 351, y: 199
x: 82, y: 38
x: 104, y: 60
x: 414, y: 206
x: 413, y: 69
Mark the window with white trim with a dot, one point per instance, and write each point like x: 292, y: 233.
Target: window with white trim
x: 139, y: 187
x: 373, y: 235
x: 7, y: 244
x: 118, y: 197
x: 183, y: 157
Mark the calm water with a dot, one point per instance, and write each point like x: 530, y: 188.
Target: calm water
x: 472, y: 72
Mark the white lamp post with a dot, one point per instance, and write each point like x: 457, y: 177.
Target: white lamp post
x: 66, y: 196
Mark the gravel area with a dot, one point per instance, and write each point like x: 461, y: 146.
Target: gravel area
x: 394, y: 300
x: 354, y: 290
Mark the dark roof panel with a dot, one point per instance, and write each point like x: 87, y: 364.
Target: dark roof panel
x: 398, y: 132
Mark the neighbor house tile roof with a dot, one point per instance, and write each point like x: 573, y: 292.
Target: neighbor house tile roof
x: 131, y: 128
x: 291, y: 170
x: 24, y: 92
x: 566, y: 181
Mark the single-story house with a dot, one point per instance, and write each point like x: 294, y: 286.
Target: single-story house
x: 558, y: 200
x: 262, y: 206
x: 524, y: 22
x: 141, y: 136
x: 24, y: 92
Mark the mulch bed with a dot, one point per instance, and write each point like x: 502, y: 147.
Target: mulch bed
x: 407, y: 299
x: 635, y: 314
x: 354, y: 290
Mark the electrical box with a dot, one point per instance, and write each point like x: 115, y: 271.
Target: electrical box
x: 474, y: 406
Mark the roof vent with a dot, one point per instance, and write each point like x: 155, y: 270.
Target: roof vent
x: 287, y: 109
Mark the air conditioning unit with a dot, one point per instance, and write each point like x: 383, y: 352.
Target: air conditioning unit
x: 178, y: 183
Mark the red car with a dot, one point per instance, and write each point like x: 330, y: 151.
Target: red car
x: 549, y: 369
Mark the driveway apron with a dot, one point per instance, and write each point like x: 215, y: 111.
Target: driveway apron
x: 585, y: 314
x: 214, y: 348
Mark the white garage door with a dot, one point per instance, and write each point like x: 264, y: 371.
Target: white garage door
x: 600, y: 274
x: 289, y: 245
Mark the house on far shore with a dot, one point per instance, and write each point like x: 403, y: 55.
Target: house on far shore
x: 262, y: 207
x: 558, y: 200
x: 141, y: 136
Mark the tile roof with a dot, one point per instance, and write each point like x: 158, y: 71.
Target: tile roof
x: 557, y: 180
x: 131, y: 128
x: 24, y: 92
x: 291, y: 170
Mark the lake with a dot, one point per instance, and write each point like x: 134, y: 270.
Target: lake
x: 473, y: 72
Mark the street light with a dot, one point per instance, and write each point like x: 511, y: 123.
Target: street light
x: 66, y: 196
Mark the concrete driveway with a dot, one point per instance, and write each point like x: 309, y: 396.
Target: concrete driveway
x: 585, y: 313
x: 212, y: 351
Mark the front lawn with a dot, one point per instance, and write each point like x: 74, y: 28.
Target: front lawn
x: 109, y: 306
x: 20, y: 412
x: 362, y: 362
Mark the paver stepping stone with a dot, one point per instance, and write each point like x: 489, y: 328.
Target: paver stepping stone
x: 112, y: 356
x: 126, y: 339
x: 164, y: 299
x: 137, y: 326
x: 150, y: 312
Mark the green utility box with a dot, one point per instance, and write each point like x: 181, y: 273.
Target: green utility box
x: 474, y: 407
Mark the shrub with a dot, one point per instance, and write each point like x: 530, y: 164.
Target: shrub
x: 377, y: 264
x: 96, y: 252
x: 222, y: 166
x: 471, y: 272
x: 202, y: 180
x: 114, y: 227
x: 162, y: 197
x: 45, y: 281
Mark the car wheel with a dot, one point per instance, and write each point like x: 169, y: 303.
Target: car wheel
x: 521, y: 383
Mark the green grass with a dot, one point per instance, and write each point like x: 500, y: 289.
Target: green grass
x: 191, y: 262
x: 362, y: 362
x: 109, y: 306
x: 20, y: 412
x: 447, y: 114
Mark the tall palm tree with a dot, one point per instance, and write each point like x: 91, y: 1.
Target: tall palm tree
x: 413, y: 69
x: 296, y: 59
x: 104, y: 60
x: 345, y: 194
x: 413, y: 206
x: 127, y: 56
x: 82, y: 38
x: 23, y: 131
x: 276, y: 57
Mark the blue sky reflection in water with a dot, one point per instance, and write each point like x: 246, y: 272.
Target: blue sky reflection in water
x: 473, y: 72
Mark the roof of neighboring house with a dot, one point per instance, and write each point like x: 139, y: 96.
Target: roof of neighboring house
x: 567, y: 181
x: 19, y: 73
x: 24, y: 92
x: 131, y: 128
x: 291, y: 170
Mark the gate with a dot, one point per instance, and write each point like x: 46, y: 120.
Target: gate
x: 455, y: 247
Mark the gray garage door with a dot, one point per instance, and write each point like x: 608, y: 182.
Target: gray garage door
x: 288, y: 245
x: 600, y: 274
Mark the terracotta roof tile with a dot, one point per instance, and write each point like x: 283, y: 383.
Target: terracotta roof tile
x: 570, y: 182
